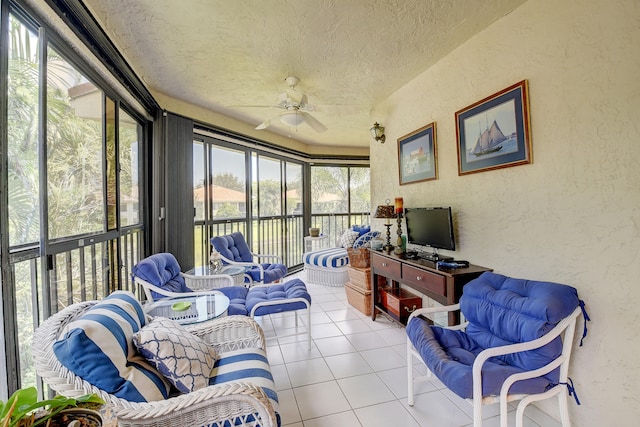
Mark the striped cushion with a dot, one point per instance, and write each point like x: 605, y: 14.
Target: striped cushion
x: 249, y: 365
x: 98, y: 347
x: 334, y: 257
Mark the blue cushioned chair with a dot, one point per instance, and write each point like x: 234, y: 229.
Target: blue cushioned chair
x: 160, y: 276
x: 233, y: 249
x: 515, y: 344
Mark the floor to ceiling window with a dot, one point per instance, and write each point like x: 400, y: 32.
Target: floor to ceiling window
x: 73, y: 212
x: 264, y: 196
x: 240, y: 189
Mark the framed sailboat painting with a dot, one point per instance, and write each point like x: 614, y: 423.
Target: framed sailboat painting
x: 494, y: 132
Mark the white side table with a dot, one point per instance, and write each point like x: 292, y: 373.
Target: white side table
x: 315, y: 243
x: 191, y: 308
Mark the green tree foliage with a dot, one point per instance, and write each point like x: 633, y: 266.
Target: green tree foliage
x: 228, y: 180
x: 270, y: 197
x: 228, y: 210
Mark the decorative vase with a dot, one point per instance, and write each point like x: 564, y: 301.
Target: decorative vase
x: 314, y: 232
x: 216, y: 264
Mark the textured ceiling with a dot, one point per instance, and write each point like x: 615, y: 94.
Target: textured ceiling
x: 348, y: 54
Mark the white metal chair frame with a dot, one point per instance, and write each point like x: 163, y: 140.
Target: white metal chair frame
x: 256, y: 264
x: 148, y: 287
x: 220, y: 403
x: 565, y: 327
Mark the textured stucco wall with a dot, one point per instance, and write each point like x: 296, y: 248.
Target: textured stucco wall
x: 573, y: 215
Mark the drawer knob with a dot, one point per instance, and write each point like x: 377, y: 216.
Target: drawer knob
x: 418, y: 277
x: 384, y: 264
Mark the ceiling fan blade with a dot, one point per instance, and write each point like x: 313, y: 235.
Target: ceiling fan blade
x: 254, y: 106
x: 313, y: 122
x: 264, y: 124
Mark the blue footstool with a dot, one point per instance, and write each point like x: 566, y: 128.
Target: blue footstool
x: 261, y: 300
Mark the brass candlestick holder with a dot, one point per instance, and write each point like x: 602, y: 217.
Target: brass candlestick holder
x: 386, y: 212
x: 399, y: 250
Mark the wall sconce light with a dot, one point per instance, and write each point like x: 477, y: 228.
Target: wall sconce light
x: 377, y: 132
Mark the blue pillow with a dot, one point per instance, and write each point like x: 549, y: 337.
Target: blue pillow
x: 364, y: 241
x: 98, y: 347
x: 361, y: 229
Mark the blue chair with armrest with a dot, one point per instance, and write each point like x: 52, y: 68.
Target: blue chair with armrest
x: 160, y: 276
x: 233, y: 249
x: 515, y: 344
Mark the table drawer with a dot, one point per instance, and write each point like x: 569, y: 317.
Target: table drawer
x: 424, y: 280
x: 386, y: 266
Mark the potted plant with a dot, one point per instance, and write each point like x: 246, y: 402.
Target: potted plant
x: 23, y: 410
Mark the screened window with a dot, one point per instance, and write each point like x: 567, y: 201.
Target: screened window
x: 129, y: 133
x: 75, y: 179
x: 23, y: 170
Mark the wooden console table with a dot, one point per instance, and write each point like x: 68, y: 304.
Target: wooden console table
x: 443, y: 286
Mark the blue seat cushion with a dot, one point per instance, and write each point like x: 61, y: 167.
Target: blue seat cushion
x: 281, y: 292
x: 500, y: 311
x: 161, y: 270
x: 237, y: 298
x: 98, y: 347
x: 248, y: 365
x: 334, y: 258
x: 272, y: 272
x: 243, y: 300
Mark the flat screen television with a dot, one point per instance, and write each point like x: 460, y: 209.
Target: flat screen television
x: 432, y: 227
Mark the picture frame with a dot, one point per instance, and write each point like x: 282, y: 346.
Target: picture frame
x: 495, y: 132
x: 417, y: 155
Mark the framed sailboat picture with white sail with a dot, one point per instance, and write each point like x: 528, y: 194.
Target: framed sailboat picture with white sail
x: 494, y: 132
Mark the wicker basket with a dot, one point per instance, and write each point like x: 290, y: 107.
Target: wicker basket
x: 358, y: 298
x: 360, y: 277
x: 359, y: 257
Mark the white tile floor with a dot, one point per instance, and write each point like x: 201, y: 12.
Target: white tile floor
x: 355, y: 373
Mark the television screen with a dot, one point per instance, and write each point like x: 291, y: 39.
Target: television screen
x: 431, y: 227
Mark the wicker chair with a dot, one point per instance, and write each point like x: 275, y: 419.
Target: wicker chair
x: 214, y: 405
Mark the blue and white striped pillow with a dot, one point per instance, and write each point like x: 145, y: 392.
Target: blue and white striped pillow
x: 98, y: 347
x: 248, y: 365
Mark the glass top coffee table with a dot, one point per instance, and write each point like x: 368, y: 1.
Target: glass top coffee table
x: 205, y: 277
x: 190, y: 309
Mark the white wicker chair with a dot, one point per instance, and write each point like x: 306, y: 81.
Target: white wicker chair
x: 214, y: 404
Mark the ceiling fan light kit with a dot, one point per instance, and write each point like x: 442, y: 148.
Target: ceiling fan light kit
x: 296, y: 105
x: 291, y: 118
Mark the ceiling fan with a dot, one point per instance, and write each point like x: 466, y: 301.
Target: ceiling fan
x: 296, y: 105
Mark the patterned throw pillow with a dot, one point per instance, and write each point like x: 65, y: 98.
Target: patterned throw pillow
x: 364, y: 241
x: 184, y: 359
x: 347, y: 238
